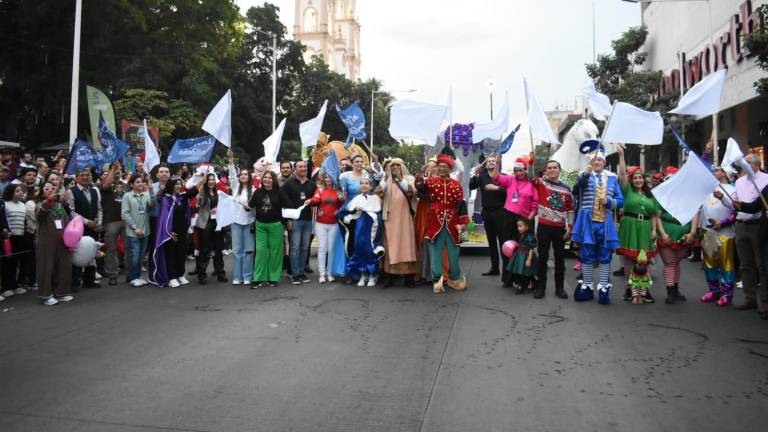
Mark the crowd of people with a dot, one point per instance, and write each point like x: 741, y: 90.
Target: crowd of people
x: 375, y: 225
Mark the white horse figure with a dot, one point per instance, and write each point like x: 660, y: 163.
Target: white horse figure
x: 572, y: 161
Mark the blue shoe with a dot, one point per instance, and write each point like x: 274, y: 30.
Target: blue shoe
x: 583, y: 292
x: 604, y: 294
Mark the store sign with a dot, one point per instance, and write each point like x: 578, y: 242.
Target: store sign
x: 727, y: 47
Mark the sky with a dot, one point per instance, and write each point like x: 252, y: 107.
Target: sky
x: 434, y: 45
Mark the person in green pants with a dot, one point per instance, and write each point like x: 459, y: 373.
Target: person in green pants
x: 268, y: 202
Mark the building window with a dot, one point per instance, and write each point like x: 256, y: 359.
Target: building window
x: 310, y: 19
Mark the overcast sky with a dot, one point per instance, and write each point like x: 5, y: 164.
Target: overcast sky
x: 431, y: 45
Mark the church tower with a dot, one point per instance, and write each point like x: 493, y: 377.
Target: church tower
x: 330, y: 29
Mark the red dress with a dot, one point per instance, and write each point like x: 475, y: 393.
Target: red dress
x: 446, y: 197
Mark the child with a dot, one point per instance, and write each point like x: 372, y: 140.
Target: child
x: 639, y: 279
x: 365, y: 210
x: 522, y: 266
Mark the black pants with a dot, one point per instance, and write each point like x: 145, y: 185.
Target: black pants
x: 85, y: 276
x: 510, y: 233
x: 493, y: 221
x: 208, y: 238
x: 21, y: 252
x: 545, y: 236
x: 176, y: 255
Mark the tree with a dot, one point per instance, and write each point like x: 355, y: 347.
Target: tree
x: 757, y: 44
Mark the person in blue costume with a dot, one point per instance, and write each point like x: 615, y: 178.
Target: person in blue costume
x: 595, y: 227
x: 349, y: 187
x: 365, y: 211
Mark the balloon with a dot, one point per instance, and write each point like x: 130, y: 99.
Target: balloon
x: 73, y: 232
x: 471, y: 227
x: 508, y: 248
x: 85, y: 251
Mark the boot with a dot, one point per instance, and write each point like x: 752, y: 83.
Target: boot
x: 583, y: 292
x: 437, y: 286
x: 627, y: 294
x: 458, y: 284
x: 560, y: 293
x: 388, y: 281
x: 673, y: 295
x: 538, y: 293
x: 604, y: 294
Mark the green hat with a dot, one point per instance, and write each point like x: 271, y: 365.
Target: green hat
x: 642, y: 258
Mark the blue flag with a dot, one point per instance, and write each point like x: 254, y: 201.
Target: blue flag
x: 354, y: 120
x: 506, y: 144
x: 82, y: 156
x: 192, y: 150
x: 687, y: 150
x: 331, y: 167
x: 112, y: 148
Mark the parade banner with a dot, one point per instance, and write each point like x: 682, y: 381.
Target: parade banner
x: 82, y: 156
x: 132, y: 132
x: 112, y: 148
x: 703, y: 99
x: 309, y: 131
x: 192, y: 150
x: 99, y: 105
x: 354, y: 120
x: 219, y: 120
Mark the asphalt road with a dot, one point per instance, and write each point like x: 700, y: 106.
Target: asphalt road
x: 342, y: 358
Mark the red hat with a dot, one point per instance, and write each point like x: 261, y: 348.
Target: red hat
x: 521, y: 162
x: 445, y: 159
x: 670, y: 170
x: 631, y: 171
x: 658, y: 176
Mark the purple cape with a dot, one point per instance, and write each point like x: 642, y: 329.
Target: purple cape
x: 158, y: 269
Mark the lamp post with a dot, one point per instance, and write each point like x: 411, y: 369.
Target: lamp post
x: 274, y: 75
x: 374, y: 92
x: 73, y: 103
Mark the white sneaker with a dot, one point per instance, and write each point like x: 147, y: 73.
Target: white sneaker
x: 236, y: 282
x: 174, y: 283
x: 372, y: 281
x: 322, y: 279
x: 183, y: 281
x: 246, y: 282
x: 98, y: 276
x: 7, y: 293
x: 50, y: 301
x: 33, y: 287
x: 66, y: 298
x: 362, y: 280
x: 19, y: 291
x: 136, y: 282
x: 330, y: 278
x: 141, y: 282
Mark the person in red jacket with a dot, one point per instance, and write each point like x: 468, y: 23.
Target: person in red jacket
x: 447, y: 219
x: 327, y: 201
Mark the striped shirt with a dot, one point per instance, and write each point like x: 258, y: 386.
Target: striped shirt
x: 16, y: 212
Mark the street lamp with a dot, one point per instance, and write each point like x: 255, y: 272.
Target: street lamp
x: 374, y: 92
x: 490, y: 85
x: 274, y: 75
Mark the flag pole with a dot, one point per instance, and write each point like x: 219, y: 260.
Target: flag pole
x: 528, y: 114
x: 607, y: 123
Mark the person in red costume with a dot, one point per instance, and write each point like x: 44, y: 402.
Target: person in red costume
x: 446, y: 221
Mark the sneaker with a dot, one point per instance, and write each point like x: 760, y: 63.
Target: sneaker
x: 7, y: 293
x: 33, y: 287
x: 362, y: 280
x: 50, y: 301
x: 627, y: 294
x: 19, y: 291
x: 322, y: 279
x: 135, y: 282
x: 648, y: 297
x: 246, y: 282
x: 259, y: 285
x: 98, y: 276
x: 2, y: 298
x: 183, y: 280
x: 304, y: 279
x: 221, y: 277
x: 174, y: 283
x: 272, y: 284
x: 739, y: 285
x: 236, y: 282
x: 330, y: 278
x: 295, y: 280
x: 65, y: 298
x: 372, y: 281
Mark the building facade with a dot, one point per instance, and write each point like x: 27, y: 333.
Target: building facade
x: 689, y: 40
x: 331, y: 30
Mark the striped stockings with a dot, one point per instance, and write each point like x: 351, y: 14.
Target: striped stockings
x: 671, y: 258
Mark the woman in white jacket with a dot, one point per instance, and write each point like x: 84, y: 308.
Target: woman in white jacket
x: 242, y: 234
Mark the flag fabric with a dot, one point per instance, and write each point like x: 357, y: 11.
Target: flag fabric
x: 696, y: 180
x: 506, y: 144
x: 537, y: 120
x: 99, y: 106
x: 192, y: 150
x: 599, y: 104
x: 219, y: 120
x: 309, y: 131
x: 225, y: 210
x: 331, y: 167
x: 112, y: 148
x: 493, y: 129
x: 416, y: 121
x: 734, y: 155
x: 631, y: 125
x: 81, y: 156
x: 151, y: 156
x: 354, y: 120
x: 681, y: 142
x: 703, y: 99
x: 272, y: 143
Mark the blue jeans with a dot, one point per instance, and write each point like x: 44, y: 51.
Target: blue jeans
x: 242, y: 248
x: 299, y: 241
x: 135, y: 247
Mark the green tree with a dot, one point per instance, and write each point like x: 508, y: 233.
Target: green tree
x: 757, y: 44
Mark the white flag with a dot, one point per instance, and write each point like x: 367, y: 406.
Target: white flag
x: 225, y: 210
x: 493, y: 129
x: 703, y: 99
x: 537, y: 120
x: 219, y: 120
x: 698, y: 183
x: 309, y: 131
x: 631, y: 125
x: 416, y: 121
x: 272, y: 144
x: 151, y: 156
x: 734, y: 155
x: 599, y: 104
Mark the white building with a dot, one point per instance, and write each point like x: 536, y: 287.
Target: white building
x: 330, y: 29
x: 698, y: 38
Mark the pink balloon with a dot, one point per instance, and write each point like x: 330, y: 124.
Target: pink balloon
x: 508, y: 248
x: 73, y: 232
